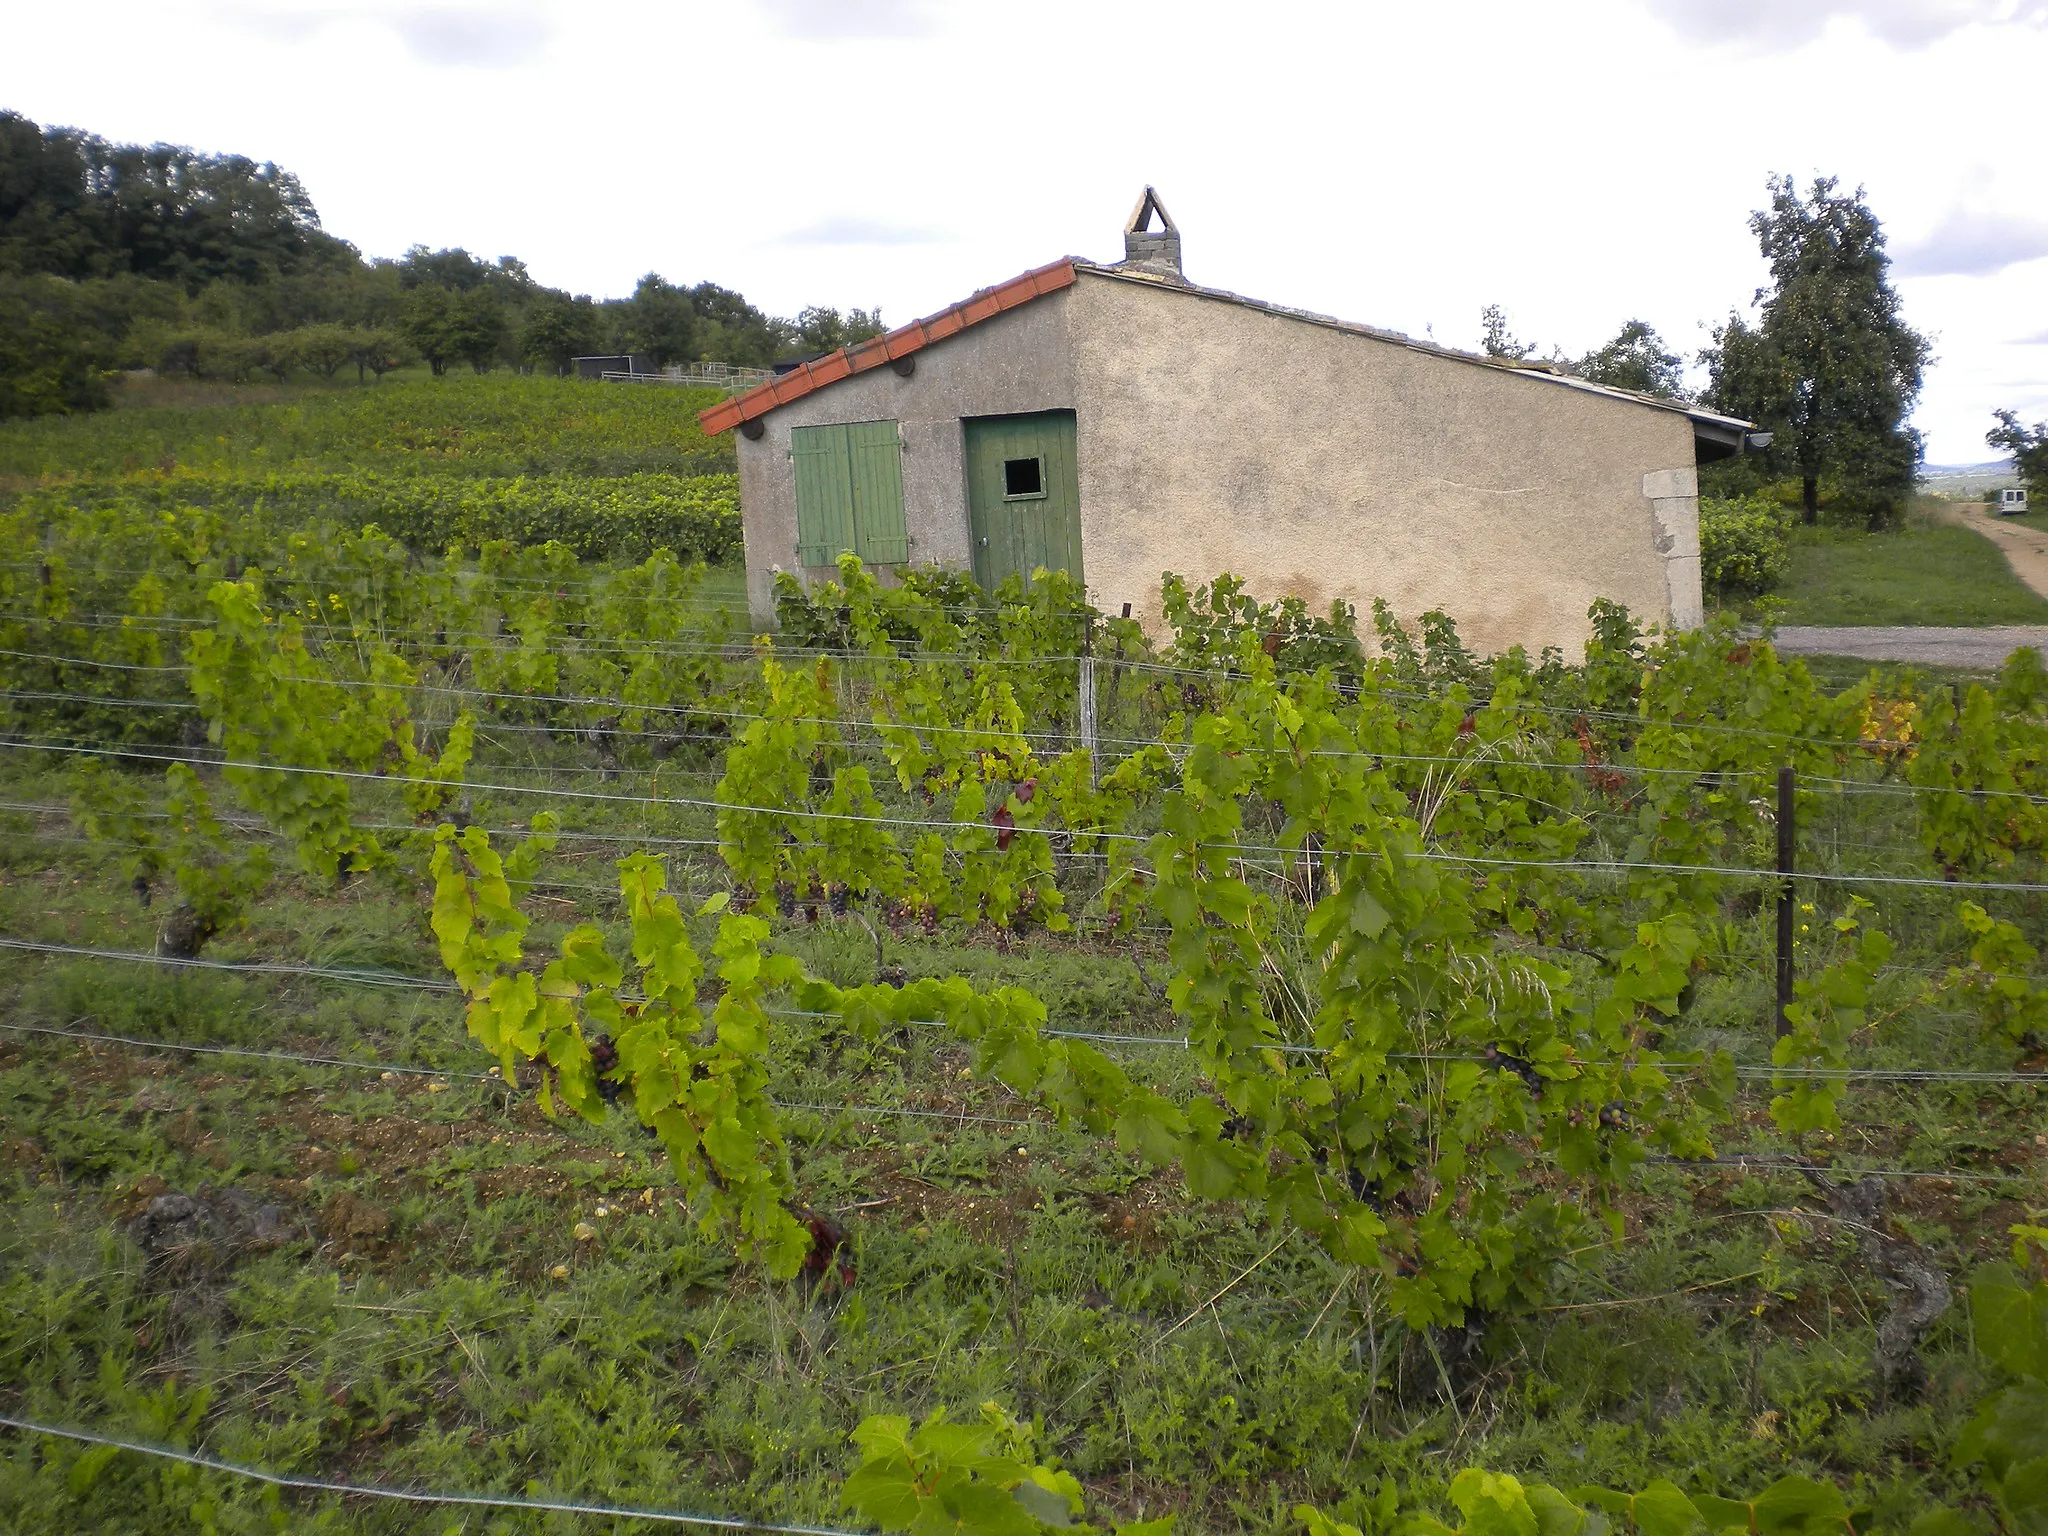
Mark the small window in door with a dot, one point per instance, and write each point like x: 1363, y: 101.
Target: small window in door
x: 1024, y: 479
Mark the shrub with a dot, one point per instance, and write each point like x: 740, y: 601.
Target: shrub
x: 1742, y: 544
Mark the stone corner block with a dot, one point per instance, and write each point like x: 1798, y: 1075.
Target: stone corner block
x: 1662, y: 484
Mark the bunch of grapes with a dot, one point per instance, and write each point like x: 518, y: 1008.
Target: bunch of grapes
x: 1503, y: 1061
x: 604, y: 1059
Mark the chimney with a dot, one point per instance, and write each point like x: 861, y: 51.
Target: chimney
x: 1150, y: 250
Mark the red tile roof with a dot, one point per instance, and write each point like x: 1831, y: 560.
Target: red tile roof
x: 900, y: 342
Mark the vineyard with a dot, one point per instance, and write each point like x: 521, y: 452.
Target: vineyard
x: 487, y: 1040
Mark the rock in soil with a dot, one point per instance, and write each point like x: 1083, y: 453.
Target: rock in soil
x: 208, y: 1229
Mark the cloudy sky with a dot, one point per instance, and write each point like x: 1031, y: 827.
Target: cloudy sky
x: 1578, y: 162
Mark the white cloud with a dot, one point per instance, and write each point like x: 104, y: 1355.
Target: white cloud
x: 492, y: 37
x: 1974, y: 245
x: 851, y: 229
x: 1790, y: 23
x: 845, y: 19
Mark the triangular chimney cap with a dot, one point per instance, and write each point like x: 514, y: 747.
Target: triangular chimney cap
x: 1141, y: 216
x: 1150, y: 250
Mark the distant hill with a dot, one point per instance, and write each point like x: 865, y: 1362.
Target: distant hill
x: 1950, y: 479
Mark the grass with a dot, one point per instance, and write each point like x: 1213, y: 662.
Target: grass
x: 1924, y: 573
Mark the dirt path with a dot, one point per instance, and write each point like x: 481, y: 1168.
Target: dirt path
x: 2025, y: 549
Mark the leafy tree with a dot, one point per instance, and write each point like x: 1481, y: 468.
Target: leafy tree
x: 323, y: 348
x: 556, y: 329
x: 430, y: 328
x: 1830, y: 368
x: 819, y: 329
x: 454, y: 269
x: 277, y: 354
x: 733, y: 331
x: 2028, y: 447
x: 48, y: 222
x: 1636, y: 359
x: 479, y: 328
x: 1496, y: 339
x: 659, y: 321
x: 52, y: 358
x: 379, y: 350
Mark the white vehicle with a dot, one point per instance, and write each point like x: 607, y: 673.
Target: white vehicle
x: 2009, y: 502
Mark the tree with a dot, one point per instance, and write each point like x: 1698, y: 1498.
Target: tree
x: 730, y: 330
x: 558, y: 328
x: 323, y: 348
x: 379, y: 350
x: 48, y: 221
x: 478, y: 328
x: 428, y: 325
x: 51, y: 355
x: 659, y: 322
x: 1496, y: 340
x: 2028, y: 447
x: 1831, y: 368
x: 1636, y: 359
x: 276, y: 354
x: 819, y: 329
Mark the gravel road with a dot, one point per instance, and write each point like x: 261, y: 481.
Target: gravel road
x: 1931, y: 646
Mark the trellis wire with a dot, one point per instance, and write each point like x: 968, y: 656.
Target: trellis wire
x: 396, y: 980
x: 409, y: 1495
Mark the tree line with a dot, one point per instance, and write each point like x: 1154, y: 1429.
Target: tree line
x: 127, y: 256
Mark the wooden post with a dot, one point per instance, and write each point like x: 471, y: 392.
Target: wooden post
x: 1087, y: 696
x: 1788, y: 840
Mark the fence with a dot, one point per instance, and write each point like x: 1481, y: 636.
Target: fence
x: 697, y: 376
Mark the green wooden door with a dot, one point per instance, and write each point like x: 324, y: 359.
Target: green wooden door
x: 1023, y: 496
x: 849, y: 493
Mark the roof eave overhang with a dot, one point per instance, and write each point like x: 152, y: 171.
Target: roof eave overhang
x: 1723, y: 437
x: 889, y: 348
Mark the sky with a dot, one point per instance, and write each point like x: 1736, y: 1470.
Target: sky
x: 1579, y: 162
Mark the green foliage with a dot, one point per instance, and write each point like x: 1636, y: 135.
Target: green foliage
x: 1983, y: 768
x: 1209, y: 622
x: 498, y: 428
x: 1742, y: 545
x: 1635, y: 359
x: 1495, y: 1504
x: 974, y: 1479
x: 53, y: 359
x: 78, y: 206
x: 1831, y: 369
x: 697, y: 1082
x: 215, y: 883
x: 1998, y: 979
x: 2028, y: 447
x: 2009, y: 1435
x: 1828, y: 1012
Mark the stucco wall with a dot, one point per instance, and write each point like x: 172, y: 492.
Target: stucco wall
x: 1019, y: 361
x: 1322, y: 463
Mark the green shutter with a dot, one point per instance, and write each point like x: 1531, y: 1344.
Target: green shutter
x: 849, y: 493
x: 877, y: 456
x: 824, y: 494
